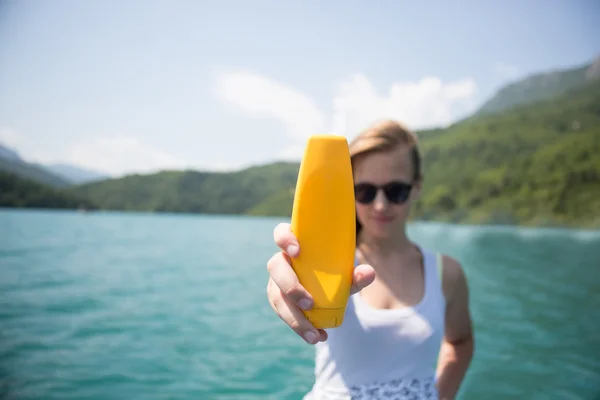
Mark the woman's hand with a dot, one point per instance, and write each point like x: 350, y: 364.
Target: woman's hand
x: 287, y: 296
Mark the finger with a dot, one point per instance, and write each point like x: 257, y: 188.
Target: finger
x: 285, y: 239
x: 364, y: 275
x: 285, y: 278
x: 295, y: 319
x: 323, y: 334
x: 278, y: 304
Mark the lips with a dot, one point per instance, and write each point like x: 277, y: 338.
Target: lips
x: 382, y: 219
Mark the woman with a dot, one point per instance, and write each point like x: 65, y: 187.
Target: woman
x: 409, y: 306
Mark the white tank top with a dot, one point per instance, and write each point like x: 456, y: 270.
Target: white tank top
x: 381, y: 354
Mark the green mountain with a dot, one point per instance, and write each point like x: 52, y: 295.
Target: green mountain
x: 536, y: 164
x: 192, y: 191
x: 541, y: 86
x: 19, y: 192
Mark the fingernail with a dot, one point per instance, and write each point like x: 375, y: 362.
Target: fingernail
x: 304, y: 304
x: 292, y: 250
x: 310, y: 337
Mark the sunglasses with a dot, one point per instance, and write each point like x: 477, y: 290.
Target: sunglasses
x: 395, y: 192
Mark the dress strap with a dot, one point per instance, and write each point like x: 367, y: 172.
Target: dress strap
x: 440, y: 265
x: 440, y: 271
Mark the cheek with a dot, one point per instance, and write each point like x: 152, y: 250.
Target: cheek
x: 362, y: 211
x: 400, y: 211
x: 403, y: 210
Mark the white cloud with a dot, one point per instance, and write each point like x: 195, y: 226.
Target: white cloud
x: 356, y: 102
x: 260, y: 97
x: 117, y: 155
x: 506, y: 71
x: 425, y: 103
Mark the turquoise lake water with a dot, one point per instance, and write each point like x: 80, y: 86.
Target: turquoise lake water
x: 142, y: 306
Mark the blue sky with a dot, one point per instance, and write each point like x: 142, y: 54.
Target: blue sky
x: 132, y: 86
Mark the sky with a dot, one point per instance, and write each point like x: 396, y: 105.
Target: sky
x: 138, y: 86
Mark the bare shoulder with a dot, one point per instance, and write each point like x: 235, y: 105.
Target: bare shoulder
x: 453, y: 277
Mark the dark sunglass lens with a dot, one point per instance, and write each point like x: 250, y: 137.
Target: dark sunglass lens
x: 365, y: 193
x: 397, y: 192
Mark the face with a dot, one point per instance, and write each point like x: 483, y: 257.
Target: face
x: 381, y: 217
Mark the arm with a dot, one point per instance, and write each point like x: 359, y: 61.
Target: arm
x: 458, y: 345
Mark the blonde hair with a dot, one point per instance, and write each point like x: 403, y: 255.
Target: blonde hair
x: 386, y: 136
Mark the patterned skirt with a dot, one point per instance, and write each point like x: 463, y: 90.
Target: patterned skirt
x: 399, y: 389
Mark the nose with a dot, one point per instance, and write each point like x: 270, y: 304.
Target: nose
x: 380, y: 203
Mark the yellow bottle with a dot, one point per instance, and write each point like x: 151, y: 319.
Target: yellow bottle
x: 324, y: 222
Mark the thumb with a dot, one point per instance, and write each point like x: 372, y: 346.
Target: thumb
x: 364, y: 275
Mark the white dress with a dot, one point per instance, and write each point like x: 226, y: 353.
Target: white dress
x: 384, y: 354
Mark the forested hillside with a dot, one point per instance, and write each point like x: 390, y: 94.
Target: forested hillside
x: 31, y: 171
x: 192, y: 191
x: 538, y: 164
x: 18, y: 192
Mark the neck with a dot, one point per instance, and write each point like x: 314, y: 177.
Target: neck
x: 396, y: 243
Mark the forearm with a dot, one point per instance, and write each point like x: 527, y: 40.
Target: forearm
x: 453, y: 363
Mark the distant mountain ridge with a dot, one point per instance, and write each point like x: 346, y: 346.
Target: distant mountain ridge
x: 56, y: 175
x: 75, y: 174
x: 540, y: 86
x: 192, y: 191
x: 9, y: 154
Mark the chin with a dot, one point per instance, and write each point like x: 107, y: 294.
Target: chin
x: 382, y: 229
